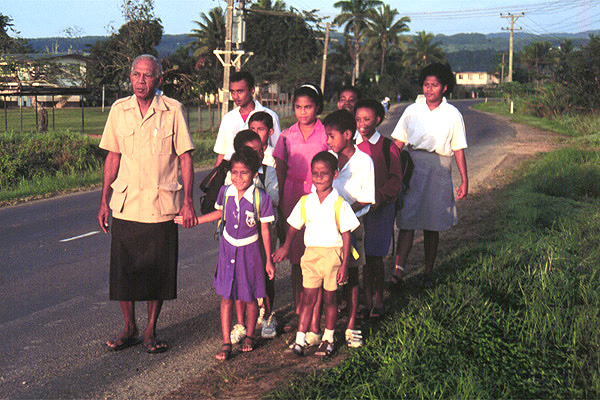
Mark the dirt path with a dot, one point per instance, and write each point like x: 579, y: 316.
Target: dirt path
x: 251, y: 375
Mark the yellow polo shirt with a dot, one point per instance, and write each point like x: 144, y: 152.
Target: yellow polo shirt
x: 147, y: 188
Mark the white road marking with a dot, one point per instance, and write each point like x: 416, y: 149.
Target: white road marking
x: 79, y: 236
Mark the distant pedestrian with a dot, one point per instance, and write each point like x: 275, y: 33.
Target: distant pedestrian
x: 42, y: 118
x: 147, y: 140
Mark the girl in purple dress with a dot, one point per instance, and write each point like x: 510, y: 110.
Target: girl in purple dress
x: 240, y: 273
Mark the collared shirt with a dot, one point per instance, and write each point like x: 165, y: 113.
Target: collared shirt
x: 268, y: 158
x: 441, y: 130
x: 321, y: 226
x: 147, y: 188
x: 388, y: 180
x: 297, y: 152
x: 271, y: 186
x: 233, y: 122
x: 356, y: 181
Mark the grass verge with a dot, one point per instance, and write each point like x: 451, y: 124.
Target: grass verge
x: 514, y: 313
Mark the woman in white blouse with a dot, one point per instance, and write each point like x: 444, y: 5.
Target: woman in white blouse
x: 432, y: 131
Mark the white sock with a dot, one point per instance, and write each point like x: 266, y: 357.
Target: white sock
x: 400, y: 267
x: 328, y: 335
x: 301, y: 338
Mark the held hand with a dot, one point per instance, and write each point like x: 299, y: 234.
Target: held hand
x: 462, y: 191
x: 280, y: 254
x: 342, y: 275
x: 270, y: 268
x: 103, y: 218
x: 188, y: 216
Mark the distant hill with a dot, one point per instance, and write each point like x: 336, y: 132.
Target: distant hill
x: 465, y: 51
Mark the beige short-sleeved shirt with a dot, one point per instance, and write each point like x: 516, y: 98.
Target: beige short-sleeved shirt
x: 147, y: 188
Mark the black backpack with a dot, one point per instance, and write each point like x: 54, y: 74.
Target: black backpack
x: 211, y: 184
x: 406, y: 162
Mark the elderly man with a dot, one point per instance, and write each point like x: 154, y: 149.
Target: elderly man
x: 147, y: 138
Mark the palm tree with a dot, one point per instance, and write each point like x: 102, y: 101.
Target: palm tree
x: 423, y: 50
x: 383, y: 32
x: 210, y: 35
x: 538, y: 56
x: 355, y: 16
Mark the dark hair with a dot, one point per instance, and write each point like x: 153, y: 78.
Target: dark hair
x: 373, y: 105
x: 248, y: 157
x: 244, y: 137
x: 341, y: 120
x: 349, y: 88
x: 442, y: 72
x: 311, y: 91
x: 327, y: 158
x: 262, y: 116
x: 243, y: 76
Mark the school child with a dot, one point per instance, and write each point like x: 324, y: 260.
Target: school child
x: 348, y: 97
x: 328, y: 219
x: 241, y: 207
x: 262, y: 123
x: 293, y: 153
x: 266, y: 180
x: 356, y: 184
x: 379, y: 221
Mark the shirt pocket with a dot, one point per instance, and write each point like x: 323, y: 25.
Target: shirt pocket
x: 162, y: 142
x: 119, y: 194
x: 169, y: 198
x: 126, y: 140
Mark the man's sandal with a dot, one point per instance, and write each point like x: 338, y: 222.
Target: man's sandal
x: 248, y: 345
x: 325, y: 349
x: 155, y: 347
x: 225, y: 352
x: 122, y: 342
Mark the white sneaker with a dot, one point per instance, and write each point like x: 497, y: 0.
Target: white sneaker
x: 261, y: 316
x: 354, y: 338
x: 313, y: 339
x: 269, y: 327
x: 237, y: 333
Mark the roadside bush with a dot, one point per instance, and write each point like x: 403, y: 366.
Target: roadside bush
x: 25, y: 156
x: 550, y: 100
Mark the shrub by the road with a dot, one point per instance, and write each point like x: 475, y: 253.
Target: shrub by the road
x: 27, y: 156
x: 515, y: 314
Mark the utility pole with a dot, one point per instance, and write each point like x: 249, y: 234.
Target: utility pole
x: 228, y: 52
x: 502, y: 75
x: 513, y: 18
x: 324, y: 66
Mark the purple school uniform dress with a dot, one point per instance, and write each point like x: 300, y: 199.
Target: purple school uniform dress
x: 240, y: 273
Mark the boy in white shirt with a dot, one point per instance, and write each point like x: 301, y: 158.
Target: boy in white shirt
x: 262, y: 123
x: 356, y: 184
x: 329, y: 220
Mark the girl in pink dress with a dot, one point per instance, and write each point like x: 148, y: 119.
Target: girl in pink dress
x: 293, y: 153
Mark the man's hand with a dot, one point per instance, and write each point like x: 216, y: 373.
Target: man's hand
x: 102, y: 217
x: 188, y: 216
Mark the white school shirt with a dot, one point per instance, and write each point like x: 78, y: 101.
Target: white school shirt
x: 233, y: 122
x: 321, y: 226
x: 268, y: 158
x: 356, y: 181
x: 441, y: 130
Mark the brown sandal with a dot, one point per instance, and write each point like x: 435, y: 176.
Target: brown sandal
x: 248, y: 345
x: 325, y: 349
x: 225, y: 352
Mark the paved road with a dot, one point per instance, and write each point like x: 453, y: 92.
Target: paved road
x: 54, y: 312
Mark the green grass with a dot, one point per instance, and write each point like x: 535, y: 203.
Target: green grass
x: 583, y: 129
x: 515, y: 314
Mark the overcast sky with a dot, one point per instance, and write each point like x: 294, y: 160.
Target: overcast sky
x: 48, y: 18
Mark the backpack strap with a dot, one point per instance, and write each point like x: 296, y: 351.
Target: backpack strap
x: 338, y: 207
x: 385, y: 148
x: 256, y: 204
x: 221, y: 223
x: 303, y: 208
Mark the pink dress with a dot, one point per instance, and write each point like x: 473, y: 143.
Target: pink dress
x: 298, y: 153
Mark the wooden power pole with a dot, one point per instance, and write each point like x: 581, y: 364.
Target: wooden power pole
x: 513, y: 18
x: 324, y: 66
